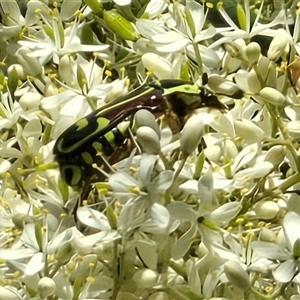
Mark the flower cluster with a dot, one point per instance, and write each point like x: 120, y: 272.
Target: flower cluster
x: 198, y: 201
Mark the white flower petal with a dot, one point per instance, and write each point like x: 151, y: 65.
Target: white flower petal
x: 159, y: 220
x: 162, y: 181
x: 7, y: 293
x: 269, y: 250
x: 190, y: 186
x: 35, y: 264
x: 148, y: 252
x: 291, y: 228
x: 12, y: 254
x: 184, y: 242
x: 223, y: 214
x: 245, y: 156
x: 92, y: 218
x: 161, y: 67
x: 286, y: 270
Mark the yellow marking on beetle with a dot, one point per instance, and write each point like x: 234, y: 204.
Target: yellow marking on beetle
x: 82, y: 123
x: 185, y: 88
x: 87, y: 157
x: 76, y: 174
x: 110, y: 137
x: 123, y: 126
x: 102, y: 123
x: 98, y: 147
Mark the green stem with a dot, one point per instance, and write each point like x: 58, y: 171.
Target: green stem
x: 168, y: 192
x: 198, y: 58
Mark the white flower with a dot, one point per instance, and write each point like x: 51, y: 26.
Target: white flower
x: 58, y: 43
x: 246, y: 31
x: 288, y: 254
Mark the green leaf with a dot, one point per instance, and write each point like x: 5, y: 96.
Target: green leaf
x: 241, y: 17
x: 64, y: 189
x: 199, y: 165
x: 184, y: 72
x: 39, y: 235
x: 77, y: 287
x: 81, y: 79
x: 49, y: 31
x: 12, y: 83
x: 190, y: 22
x: 61, y: 33
x: 87, y: 37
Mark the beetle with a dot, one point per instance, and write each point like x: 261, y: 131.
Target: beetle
x: 106, y: 128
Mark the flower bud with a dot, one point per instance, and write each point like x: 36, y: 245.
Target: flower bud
x: 279, y: 46
x: 120, y: 26
x: 46, y: 287
x: 275, y: 155
x: 145, y: 278
x: 144, y: 117
x: 252, y: 52
x: 253, y: 82
x: 221, y: 85
x: 191, y: 135
x: 148, y: 139
x: 248, y: 131
x: 267, y: 235
x: 272, y: 96
x: 19, y: 69
x: 237, y: 275
x: 266, y: 210
x: 30, y: 101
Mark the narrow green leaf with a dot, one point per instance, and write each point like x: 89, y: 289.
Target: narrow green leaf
x: 64, y: 189
x: 241, y: 17
x: 190, y: 22
x: 77, y: 287
x: 81, y: 79
x: 12, y: 83
x: 61, y: 33
x: 199, y: 165
x: 49, y: 31
x: 87, y: 35
x: 39, y: 235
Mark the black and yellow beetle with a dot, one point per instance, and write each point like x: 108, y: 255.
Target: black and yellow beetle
x: 106, y: 128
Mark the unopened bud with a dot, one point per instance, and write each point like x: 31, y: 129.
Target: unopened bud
x: 145, y: 278
x: 30, y: 100
x: 148, y: 139
x: 19, y: 69
x: 275, y: 155
x: 272, y: 96
x: 144, y: 117
x: 266, y: 210
x: 267, y: 235
x: 237, y: 275
x: 279, y: 46
x: 120, y: 26
x: 191, y: 135
x: 220, y: 85
x: 252, y: 53
x: 46, y: 287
